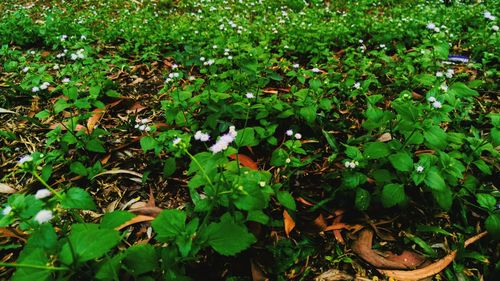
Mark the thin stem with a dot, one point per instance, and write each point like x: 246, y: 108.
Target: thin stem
x: 44, y: 183
x: 25, y: 265
x: 201, y: 167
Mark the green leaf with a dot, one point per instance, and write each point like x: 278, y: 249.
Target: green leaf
x: 78, y: 168
x: 436, y: 138
x: 278, y: 157
x: 257, y: 216
x: 407, y: 111
x: 169, y: 167
x: 492, y: 224
x: 432, y: 229
x: 442, y: 50
x: 286, y: 199
x: 483, y: 167
x: 393, y: 194
x: 77, y: 198
x: 246, y: 137
x: 352, y: 180
x: 434, y: 180
x: 376, y: 150
x: 444, y: 198
x: 461, y: 90
x: 141, y: 259
x: 486, y: 201
x: 168, y: 224
x: 36, y: 257
x: 353, y: 152
x: 148, y: 143
x: 115, y: 219
x: 94, y: 91
x: 95, y: 145
x: 402, y: 161
x: 229, y: 238
x: 88, y: 242
x: 60, y: 105
x: 44, y: 237
x: 309, y: 113
x: 363, y: 198
x: 110, y: 269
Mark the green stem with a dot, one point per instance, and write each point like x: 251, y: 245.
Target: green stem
x: 44, y: 183
x: 201, y: 167
x: 21, y: 265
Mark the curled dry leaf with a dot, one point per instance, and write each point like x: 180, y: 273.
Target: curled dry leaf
x: 429, y: 270
x: 362, y: 246
x: 94, y: 119
x: 3, y: 110
x: 245, y: 161
x: 289, y: 223
x: 119, y: 171
x: 14, y: 233
x: 6, y: 189
x: 148, y: 211
x: 134, y: 220
x: 385, y: 137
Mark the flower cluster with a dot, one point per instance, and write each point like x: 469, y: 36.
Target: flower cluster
x: 24, y: 159
x: 78, y: 55
x: 290, y: 133
x: 44, y: 86
x: 224, y: 141
x: 199, y: 135
x: 432, y: 26
x: 351, y: 164
x: 142, y: 125
x: 172, y: 76
x: 43, y: 216
x: 449, y: 73
x: 435, y: 102
x: 489, y: 16
x: 43, y: 193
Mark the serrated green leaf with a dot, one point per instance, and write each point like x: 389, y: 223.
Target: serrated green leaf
x: 436, y: 138
x: 393, y: 194
x: 492, y: 224
x: 169, y: 167
x: 229, y: 238
x: 77, y: 198
x: 95, y: 145
x: 140, y: 259
x: 34, y: 257
x: 444, y: 198
x: 78, y: 168
x: 168, y: 224
x: 286, y: 199
x: 486, y: 201
x: 148, y: 143
x: 115, y: 219
x: 376, y: 150
x: 362, y: 200
x: 434, y: 180
x: 401, y: 161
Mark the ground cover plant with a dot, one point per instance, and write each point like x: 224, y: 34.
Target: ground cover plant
x: 249, y: 140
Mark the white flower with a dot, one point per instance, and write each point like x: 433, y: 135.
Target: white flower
x: 444, y: 87
x: 289, y: 133
x: 229, y: 57
x: 249, y: 95
x: 202, y: 59
x: 487, y: 14
x: 175, y: 66
x: 356, y: 85
x: 382, y: 46
x: 288, y: 160
x: 295, y: 65
x: 436, y: 29
x: 420, y: 169
x: 262, y: 183
x: 227, y: 50
x: 35, y: 89
x: 6, y: 210
x: 495, y: 28
x: 43, y: 216
x: 55, y: 67
x: 436, y: 104
x: 199, y: 135
x: 74, y: 56
x: 224, y: 141
x: 439, y: 74
x: 347, y: 164
x: 176, y: 141
x: 214, y: 47
x: 24, y: 159
x: 45, y: 85
x: 209, y: 62
x: 43, y: 193
x: 432, y: 99
x: 316, y: 70
x: 352, y: 165
x: 191, y: 78
x: 66, y: 80
x: 83, y: 37
x: 430, y: 26
x: 26, y: 69
x: 143, y: 127
x: 298, y: 136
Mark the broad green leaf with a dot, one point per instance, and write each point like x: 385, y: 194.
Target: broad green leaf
x: 78, y: 168
x: 169, y: 167
x: 77, y: 198
x: 140, y: 259
x: 35, y: 257
x: 257, y: 216
x: 441, y: 50
x: 88, y: 242
x: 110, y: 269
x: 353, y: 152
x: 363, y: 198
x: 286, y: 199
x: 44, y: 237
x: 376, y: 150
x: 115, y: 219
x: 402, y: 161
x: 309, y: 113
x: 352, y: 180
x: 393, y: 194
x: 486, y: 201
x: 444, y: 198
x: 95, y: 145
x: 229, y: 238
x: 461, y: 90
x: 492, y: 224
x: 250, y: 197
x: 407, y: 111
x: 168, y: 224
x: 434, y: 180
x: 60, y: 105
x: 246, y: 137
x: 148, y: 143
x: 278, y: 157
x: 436, y: 138
x: 483, y: 167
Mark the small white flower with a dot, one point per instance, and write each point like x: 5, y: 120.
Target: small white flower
x: 285, y: 47
x: 249, y: 95
x: 382, y: 46
x: 316, y: 70
x: 420, y: 169
x: 347, y: 164
x: 74, y: 56
x: 24, y: 159
x: 439, y: 74
x: 55, y: 67
x: 289, y: 133
x: 288, y: 160
x: 437, y: 29
x: 176, y: 141
x: 144, y: 121
x: 26, y: 69
x: 430, y: 26
x: 444, y: 87
x: 214, y: 47
x: 432, y: 99
x: 66, y: 80
x: 6, y: 210
x: 298, y: 136
x: 356, y: 85
x: 44, y: 86
x: 202, y: 59
x: 495, y: 28
x: 35, y: 89
x: 142, y: 127
x: 352, y: 165
x: 295, y: 65
x: 227, y: 50
x: 229, y: 57
x: 43, y: 193
x: 83, y: 37
x: 199, y: 135
x: 175, y: 66
x: 436, y: 104
x: 43, y: 216
x: 262, y: 183
x: 191, y: 78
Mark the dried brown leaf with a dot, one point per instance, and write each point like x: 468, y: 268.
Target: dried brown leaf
x: 289, y: 223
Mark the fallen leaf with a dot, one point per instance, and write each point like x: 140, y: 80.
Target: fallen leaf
x: 245, y: 161
x: 429, y: 270
x: 119, y: 171
x: 94, y: 119
x: 257, y: 272
x: 148, y: 211
x: 136, y: 81
x: 304, y: 201
x: 134, y: 220
x: 362, y: 246
x: 336, y: 232
x: 320, y: 222
x: 385, y: 137
x: 135, y: 108
x: 289, y: 223
x: 6, y: 189
x: 334, y: 275
x: 3, y: 110
x: 10, y: 232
